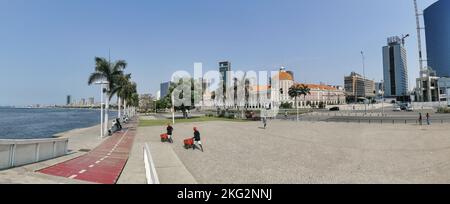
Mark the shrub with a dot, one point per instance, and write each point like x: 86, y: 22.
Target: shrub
x: 443, y: 110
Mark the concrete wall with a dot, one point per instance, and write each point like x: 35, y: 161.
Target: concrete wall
x: 22, y: 152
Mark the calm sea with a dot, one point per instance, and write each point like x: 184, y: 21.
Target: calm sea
x: 17, y: 123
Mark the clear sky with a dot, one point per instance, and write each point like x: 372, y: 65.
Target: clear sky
x: 47, y: 47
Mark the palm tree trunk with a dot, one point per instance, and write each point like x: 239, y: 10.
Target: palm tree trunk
x: 106, y: 114
x: 119, y: 104
x: 125, y: 110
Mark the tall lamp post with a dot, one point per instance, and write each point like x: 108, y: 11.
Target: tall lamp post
x: 382, y: 97
x: 102, y: 92
x: 364, y: 81
x: 173, y: 108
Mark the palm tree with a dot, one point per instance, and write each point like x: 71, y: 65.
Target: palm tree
x: 294, y: 92
x: 304, y: 90
x: 297, y: 90
x: 128, y: 94
x: 109, y: 72
x: 120, y: 89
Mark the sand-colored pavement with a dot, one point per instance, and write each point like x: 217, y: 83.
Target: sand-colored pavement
x: 169, y: 168
x: 305, y: 152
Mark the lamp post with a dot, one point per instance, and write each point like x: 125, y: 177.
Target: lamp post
x: 364, y: 81
x: 298, y: 114
x: 102, y: 92
x: 173, y: 109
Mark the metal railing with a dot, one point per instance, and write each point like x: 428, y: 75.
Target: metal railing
x: 14, y: 153
x: 376, y: 121
x: 150, y: 170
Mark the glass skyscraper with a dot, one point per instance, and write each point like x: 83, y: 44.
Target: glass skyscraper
x: 437, y: 28
x: 395, y: 69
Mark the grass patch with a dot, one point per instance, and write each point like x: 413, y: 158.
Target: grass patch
x: 147, y: 123
x: 443, y: 110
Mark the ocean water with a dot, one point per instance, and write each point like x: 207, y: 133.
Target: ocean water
x: 24, y: 123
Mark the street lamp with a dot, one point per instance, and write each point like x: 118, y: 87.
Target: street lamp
x: 382, y: 96
x: 298, y: 116
x: 364, y: 81
x: 102, y: 92
x: 173, y: 108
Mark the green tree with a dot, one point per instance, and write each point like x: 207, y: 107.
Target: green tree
x: 297, y: 90
x: 109, y: 72
x: 193, y: 97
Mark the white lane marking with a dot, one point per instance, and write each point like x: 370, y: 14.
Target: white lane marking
x: 97, y: 162
x: 82, y: 171
x: 91, y: 166
x: 73, y: 176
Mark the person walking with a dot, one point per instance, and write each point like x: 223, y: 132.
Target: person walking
x: 420, y: 119
x: 285, y: 115
x: 264, y: 120
x: 170, y: 132
x: 197, y: 139
x: 428, y: 119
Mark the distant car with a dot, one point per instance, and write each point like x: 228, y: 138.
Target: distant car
x: 334, y: 109
x: 409, y: 109
x: 397, y: 109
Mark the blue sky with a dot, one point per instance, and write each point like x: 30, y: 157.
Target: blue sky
x: 47, y: 47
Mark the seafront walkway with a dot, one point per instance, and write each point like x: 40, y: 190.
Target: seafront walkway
x: 102, y: 165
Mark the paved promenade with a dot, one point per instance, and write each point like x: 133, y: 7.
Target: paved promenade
x: 169, y: 167
x: 286, y: 152
x: 102, y: 165
x: 316, y: 152
x: 80, y: 139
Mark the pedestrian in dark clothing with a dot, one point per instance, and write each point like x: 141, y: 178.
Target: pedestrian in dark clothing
x: 170, y: 132
x: 420, y: 118
x: 428, y: 119
x: 197, y: 139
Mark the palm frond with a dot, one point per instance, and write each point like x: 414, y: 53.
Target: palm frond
x: 94, y: 77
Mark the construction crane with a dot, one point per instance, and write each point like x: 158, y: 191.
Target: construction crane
x: 419, y: 38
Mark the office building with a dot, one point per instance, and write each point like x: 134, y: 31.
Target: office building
x: 395, y: 69
x: 91, y: 101
x: 357, y: 88
x: 427, y: 86
x: 69, y: 100
x: 444, y: 90
x: 224, y: 67
x: 437, y: 29
x: 164, y: 89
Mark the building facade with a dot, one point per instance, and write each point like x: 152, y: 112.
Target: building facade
x: 395, y: 69
x: 427, y: 89
x: 224, y: 67
x: 444, y: 90
x: 68, y: 100
x: 356, y: 87
x: 91, y: 101
x: 265, y: 98
x: 164, y: 89
x: 437, y: 29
